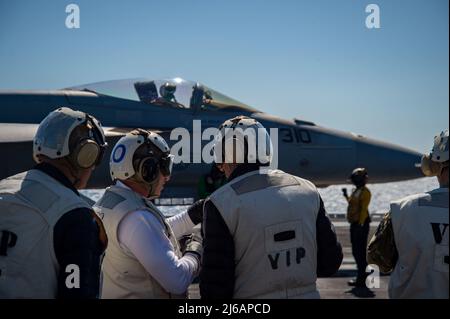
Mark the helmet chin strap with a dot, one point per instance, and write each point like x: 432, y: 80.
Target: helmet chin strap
x: 150, y: 190
x: 149, y: 186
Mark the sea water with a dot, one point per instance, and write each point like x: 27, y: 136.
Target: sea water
x: 335, y: 203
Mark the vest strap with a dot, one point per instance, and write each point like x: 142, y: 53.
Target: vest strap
x: 439, y: 200
x: 256, y: 182
x: 155, y: 212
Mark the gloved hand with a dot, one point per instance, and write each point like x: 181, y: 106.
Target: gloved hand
x: 344, y: 191
x: 195, y: 212
x: 194, y: 244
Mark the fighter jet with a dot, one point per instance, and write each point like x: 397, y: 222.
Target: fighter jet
x: 323, y: 155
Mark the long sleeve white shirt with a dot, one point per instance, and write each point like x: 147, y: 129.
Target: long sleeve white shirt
x: 143, y: 236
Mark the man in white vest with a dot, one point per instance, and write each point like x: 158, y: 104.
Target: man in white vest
x: 412, y: 239
x: 143, y: 258
x: 266, y: 233
x: 51, y: 241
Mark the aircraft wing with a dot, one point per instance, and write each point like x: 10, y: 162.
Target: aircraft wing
x: 17, y: 132
x: 20, y: 132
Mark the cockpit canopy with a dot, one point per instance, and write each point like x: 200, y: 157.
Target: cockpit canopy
x: 174, y: 92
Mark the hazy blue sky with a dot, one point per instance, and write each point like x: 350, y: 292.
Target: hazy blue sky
x: 314, y: 60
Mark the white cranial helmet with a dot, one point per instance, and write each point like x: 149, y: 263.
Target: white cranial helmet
x: 439, y: 153
x: 53, y: 136
x: 242, y: 140
x: 433, y: 163
x: 122, y: 156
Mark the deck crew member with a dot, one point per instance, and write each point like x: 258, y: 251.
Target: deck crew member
x: 51, y: 240
x: 412, y: 239
x: 266, y: 233
x: 143, y: 259
x: 359, y: 219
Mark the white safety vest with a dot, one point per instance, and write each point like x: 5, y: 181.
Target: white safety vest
x: 272, y: 219
x: 31, y: 203
x: 420, y: 224
x: 124, y: 277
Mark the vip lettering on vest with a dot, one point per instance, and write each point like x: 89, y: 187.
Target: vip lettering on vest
x: 289, y: 257
x: 440, y: 235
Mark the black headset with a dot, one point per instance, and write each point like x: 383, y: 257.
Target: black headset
x: 149, y: 167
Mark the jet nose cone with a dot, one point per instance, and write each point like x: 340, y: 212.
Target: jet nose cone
x: 386, y: 162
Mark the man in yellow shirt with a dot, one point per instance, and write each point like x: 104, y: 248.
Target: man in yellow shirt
x: 359, y: 219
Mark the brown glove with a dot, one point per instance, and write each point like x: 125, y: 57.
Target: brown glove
x: 194, y: 244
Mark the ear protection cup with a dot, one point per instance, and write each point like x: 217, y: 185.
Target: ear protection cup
x: 148, y: 169
x: 429, y: 167
x: 86, y: 153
